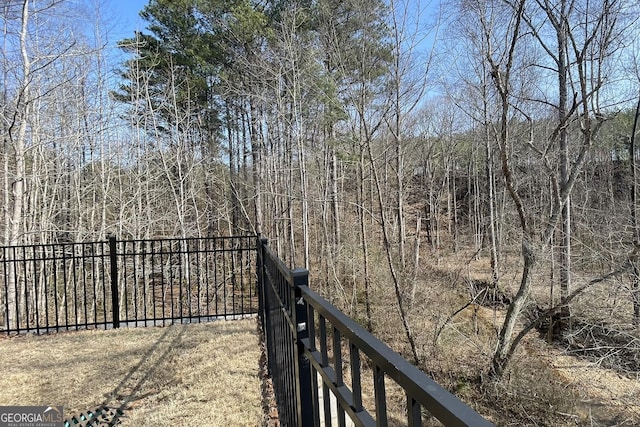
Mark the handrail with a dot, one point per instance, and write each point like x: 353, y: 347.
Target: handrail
x: 441, y: 404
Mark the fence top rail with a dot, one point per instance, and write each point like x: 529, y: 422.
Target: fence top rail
x: 286, y: 272
x: 252, y: 237
x: 53, y: 245
x: 249, y: 237
x: 439, y: 402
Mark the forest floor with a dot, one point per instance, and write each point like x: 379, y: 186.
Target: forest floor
x: 197, y: 374
x: 575, y: 390
x: 608, y: 397
x: 547, y: 384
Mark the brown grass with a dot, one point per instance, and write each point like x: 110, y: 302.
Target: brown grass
x: 201, y: 374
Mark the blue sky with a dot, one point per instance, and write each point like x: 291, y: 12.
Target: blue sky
x: 126, y: 15
x: 121, y: 18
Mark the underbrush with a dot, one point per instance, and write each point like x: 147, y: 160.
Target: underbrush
x: 456, y: 336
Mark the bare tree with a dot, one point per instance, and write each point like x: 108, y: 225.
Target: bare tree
x: 634, y: 216
x: 585, y: 37
x: 634, y: 203
x: 567, y: 41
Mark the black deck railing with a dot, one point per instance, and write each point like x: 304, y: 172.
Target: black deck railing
x: 327, y: 369
x: 117, y: 283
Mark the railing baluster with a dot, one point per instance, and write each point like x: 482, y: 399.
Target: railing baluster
x: 125, y: 283
x: 164, y: 285
x: 225, y: 255
x: 181, y: 256
x: 14, y: 270
x: 84, y: 285
x: 45, y: 283
x: 134, y: 276
x: 414, y: 417
x: 315, y: 396
x: 337, y: 365
x: 356, y: 381
x: 380, y: 396
x: 154, y: 286
x: 209, y: 257
x: 326, y: 398
x: 190, y: 252
x: 94, y: 252
x: 216, y: 255
x: 5, y: 289
x: 234, y: 279
x: 144, y: 282
x: 64, y: 285
x: 202, y: 252
x: 74, y: 278
x: 103, y: 261
x: 323, y: 342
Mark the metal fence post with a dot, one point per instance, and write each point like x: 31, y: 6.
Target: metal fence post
x: 304, y: 399
x: 264, y: 314
x: 113, y: 259
x: 260, y: 266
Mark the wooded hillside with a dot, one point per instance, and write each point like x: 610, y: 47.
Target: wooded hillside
x: 423, y: 160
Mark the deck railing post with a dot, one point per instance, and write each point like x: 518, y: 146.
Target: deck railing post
x: 304, y: 398
x: 113, y: 259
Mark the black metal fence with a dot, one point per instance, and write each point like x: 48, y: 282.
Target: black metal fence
x: 126, y: 283
x: 327, y: 370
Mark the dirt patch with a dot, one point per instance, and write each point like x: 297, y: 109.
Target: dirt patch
x: 269, y: 403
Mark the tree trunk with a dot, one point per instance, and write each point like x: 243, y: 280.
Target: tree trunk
x: 491, y: 209
x: 634, y: 217
x: 506, y: 346
x: 19, y: 164
x: 565, y: 251
x: 364, y: 242
x: 402, y: 309
x: 335, y: 207
x: 257, y: 147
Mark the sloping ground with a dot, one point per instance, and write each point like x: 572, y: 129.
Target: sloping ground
x: 198, y: 374
x: 567, y: 389
x: 608, y: 397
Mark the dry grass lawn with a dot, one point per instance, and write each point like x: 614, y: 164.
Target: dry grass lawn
x: 200, y: 374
